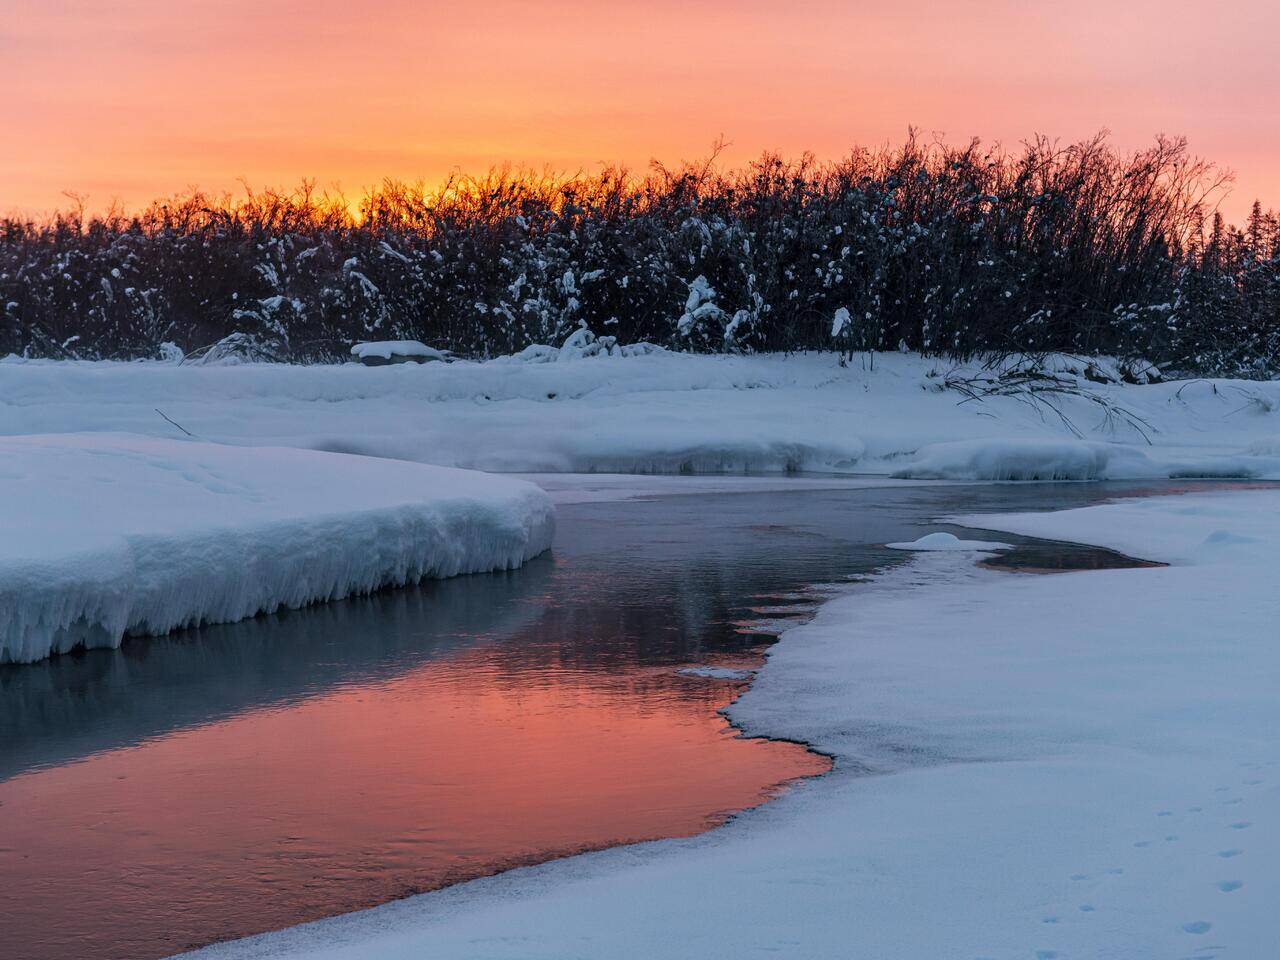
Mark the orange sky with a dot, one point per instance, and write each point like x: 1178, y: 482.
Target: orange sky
x: 136, y: 98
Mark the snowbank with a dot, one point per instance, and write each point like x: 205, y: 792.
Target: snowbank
x: 1077, y: 765
x: 107, y: 535
x: 597, y: 410
x: 1265, y: 447
x: 1026, y: 460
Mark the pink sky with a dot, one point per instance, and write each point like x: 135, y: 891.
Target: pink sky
x: 137, y: 98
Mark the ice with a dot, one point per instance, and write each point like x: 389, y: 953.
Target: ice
x: 948, y: 541
x: 108, y: 534
x: 1076, y: 765
x: 716, y: 673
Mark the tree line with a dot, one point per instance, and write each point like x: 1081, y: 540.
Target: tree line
x: 953, y: 251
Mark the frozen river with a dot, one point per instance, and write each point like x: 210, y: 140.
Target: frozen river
x: 233, y: 779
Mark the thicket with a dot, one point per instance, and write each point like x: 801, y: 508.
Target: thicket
x: 949, y: 250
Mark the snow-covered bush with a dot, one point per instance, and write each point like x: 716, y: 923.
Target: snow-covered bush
x: 950, y: 251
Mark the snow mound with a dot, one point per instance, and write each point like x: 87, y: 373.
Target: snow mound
x: 1026, y: 459
x: 107, y: 535
x: 392, y: 350
x: 948, y: 541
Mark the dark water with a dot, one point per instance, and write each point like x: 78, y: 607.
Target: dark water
x: 233, y: 779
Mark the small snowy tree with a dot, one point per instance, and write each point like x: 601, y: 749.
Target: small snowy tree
x: 701, y: 314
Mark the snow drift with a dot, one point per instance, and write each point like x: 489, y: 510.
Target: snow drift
x: 108, y: 534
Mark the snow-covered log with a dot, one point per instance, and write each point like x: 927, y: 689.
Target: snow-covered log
x: 380, y: 352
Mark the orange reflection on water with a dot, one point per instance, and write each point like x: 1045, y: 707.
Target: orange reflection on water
x: 285, y: 814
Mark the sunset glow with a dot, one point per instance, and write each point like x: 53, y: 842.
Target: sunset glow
x: 139, y: 99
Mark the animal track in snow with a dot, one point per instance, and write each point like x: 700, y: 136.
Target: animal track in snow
x: 1228, y: 854
x: 1229, y: 886
x: 1197, y: 926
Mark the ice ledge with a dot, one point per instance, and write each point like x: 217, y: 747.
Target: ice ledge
x: 107, y: 535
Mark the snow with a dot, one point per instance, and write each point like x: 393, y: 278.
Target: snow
x: 110, y: 534
x: 598, y: 410
x: 387, y: 349
x: 840, y: 321
x: 1055, y: 766
x: 1021, y: 459
x: 948, y: 542
x: 1265, y: 447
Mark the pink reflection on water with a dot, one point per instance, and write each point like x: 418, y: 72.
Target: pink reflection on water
x: 366, y: 794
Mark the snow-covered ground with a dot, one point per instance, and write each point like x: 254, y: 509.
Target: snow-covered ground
x: 107, y: 534
x: 1082, y: 765
x: 665, y: 412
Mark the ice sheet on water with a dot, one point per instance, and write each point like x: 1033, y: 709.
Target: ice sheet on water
x: 948, y: 541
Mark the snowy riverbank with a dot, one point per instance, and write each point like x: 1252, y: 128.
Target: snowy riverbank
x: 108, y: 534
x: 666, y: 412
x: 1065, y: 766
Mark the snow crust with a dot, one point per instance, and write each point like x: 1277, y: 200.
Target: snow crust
x: 596, y: 410
x: 941, y: 541
x: 1058, y: 766
x: 108, y: 534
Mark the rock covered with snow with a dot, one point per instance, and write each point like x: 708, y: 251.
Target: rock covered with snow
x: 112, y: 534
x: 379, y: 352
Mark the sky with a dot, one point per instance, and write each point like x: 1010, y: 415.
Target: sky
x: 135, y: 99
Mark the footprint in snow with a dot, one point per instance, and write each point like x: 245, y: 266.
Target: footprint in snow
x: 1079, y: 876
x: 1143, y: 843
x: 1087, y: 908
x: 1047, y: 955
x: 1197, y: 926
x: 1228, y: 854
x: 1230, y: 886
x: 1116, y: 871
x: 1241, y: 825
